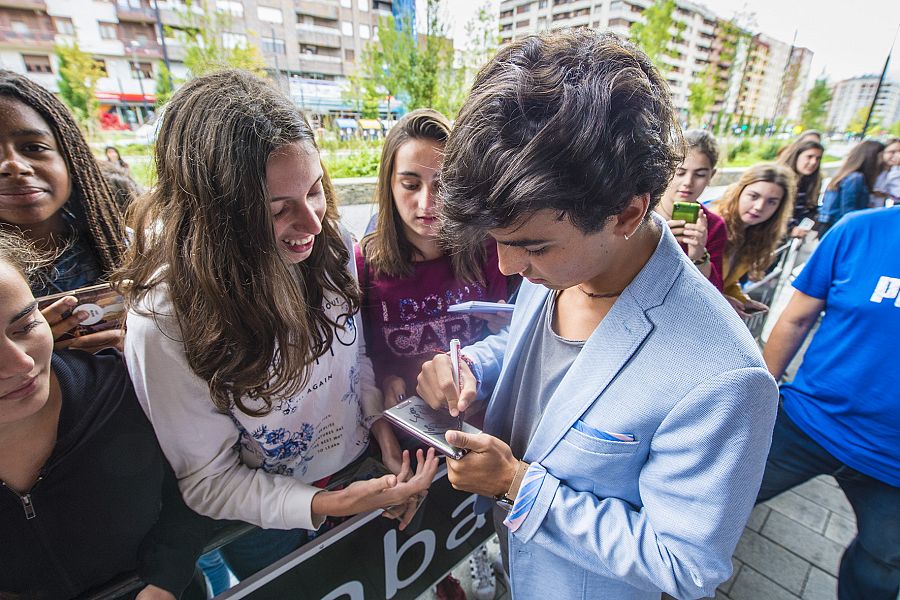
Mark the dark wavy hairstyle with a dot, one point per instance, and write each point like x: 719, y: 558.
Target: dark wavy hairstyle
x: 251, y: 323
x: 574, y: 121
x: 91, y: 198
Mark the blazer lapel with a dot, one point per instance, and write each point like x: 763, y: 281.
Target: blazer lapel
x: 604, y: 354
x: 611, y: 345
x: 530, y: 301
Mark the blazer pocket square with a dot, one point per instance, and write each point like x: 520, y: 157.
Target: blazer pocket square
x: 609, y: 436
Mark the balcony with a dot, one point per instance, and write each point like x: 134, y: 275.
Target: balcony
x: 319, y: 36
x: 317, y: 9
x: 24, y: 4
x: 143, y: 14
x: 153, y: 50
x: 315, y: 63
x: 31, y: 39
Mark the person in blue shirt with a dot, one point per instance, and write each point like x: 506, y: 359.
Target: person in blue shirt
x: 841, y: 413
x: 850, y: 188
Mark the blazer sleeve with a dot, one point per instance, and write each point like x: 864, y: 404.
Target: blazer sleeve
x: 698, y: 487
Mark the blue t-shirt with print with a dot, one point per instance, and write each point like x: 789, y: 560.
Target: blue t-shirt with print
x: 846, y: 395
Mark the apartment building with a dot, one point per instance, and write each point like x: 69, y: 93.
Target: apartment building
x: 305, y: 43
x: 855, y: 94
x: 708, y: 48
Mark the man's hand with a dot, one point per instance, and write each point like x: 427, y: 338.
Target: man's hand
x: 436, y: 387
x: 487, y: 469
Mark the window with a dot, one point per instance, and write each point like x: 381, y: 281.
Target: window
x: 234, y: 40
x: 364, y: 32
x: 141, y: 70
x: 349, y: 55
x: 522, y: 9
x: 37, y: 63
x: 269, y: 14
x: 232, y: 7
x: 542, y: 4
x: 347, y: 3
x: 108, y: 31
x: 273, y: 45
x: 521, y: 24
x: 506, y: 13
x: 308, y: 49
x: 101, y: 64
x: 132, y: 4
x: 64, y: 25
x: 347, y: 28
x: 362, y: 5
x: 20, y: 27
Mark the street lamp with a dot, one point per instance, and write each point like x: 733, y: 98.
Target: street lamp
x: 133, y: 45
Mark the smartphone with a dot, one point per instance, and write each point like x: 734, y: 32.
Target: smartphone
x: 427, y: 425
x: 686, y: 211
x: 806, y: 224
x: 104, y: 305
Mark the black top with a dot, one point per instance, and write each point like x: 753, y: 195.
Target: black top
x: 106, y: 502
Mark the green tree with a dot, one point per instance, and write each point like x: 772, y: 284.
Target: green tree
x: 400, y: 64
x: 164, y: 88
x: 654, y: 35
x: 77, y: 80
x: 816, y: 106
x: 202, y: 33
x: 383, y: 66
x: 894, y: 130
x: 859, y: 121
x: 702, y: 96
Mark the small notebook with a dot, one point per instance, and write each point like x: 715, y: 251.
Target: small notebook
x: 424, y: 423
x: 477, y: 306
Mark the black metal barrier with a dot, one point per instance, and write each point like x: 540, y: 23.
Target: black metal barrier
x: 766, y: 290
x: 365, y: 557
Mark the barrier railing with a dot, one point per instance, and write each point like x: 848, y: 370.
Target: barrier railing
x: 766, y: 290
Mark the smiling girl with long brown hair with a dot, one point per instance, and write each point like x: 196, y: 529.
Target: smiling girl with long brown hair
x: 243, y: 340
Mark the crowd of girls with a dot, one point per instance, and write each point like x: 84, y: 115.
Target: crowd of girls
x: 244, y: 382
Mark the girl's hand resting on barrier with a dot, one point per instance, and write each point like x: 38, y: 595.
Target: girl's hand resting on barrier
x: 390, y: 490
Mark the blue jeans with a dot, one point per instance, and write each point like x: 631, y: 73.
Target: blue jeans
x: 870, y: 566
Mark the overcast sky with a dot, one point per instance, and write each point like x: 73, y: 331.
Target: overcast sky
x: 848, y: 38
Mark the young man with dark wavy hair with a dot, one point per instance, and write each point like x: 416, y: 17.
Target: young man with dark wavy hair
x: 623, y: 449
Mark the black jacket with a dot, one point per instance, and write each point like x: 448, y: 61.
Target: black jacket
x: 106, y: 502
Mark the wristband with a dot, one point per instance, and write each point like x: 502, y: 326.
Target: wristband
x: 508, y: 498
x: 471, y: 366
x: 703, y: 259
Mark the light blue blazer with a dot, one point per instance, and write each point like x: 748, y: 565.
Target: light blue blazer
x: 673, y: 365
